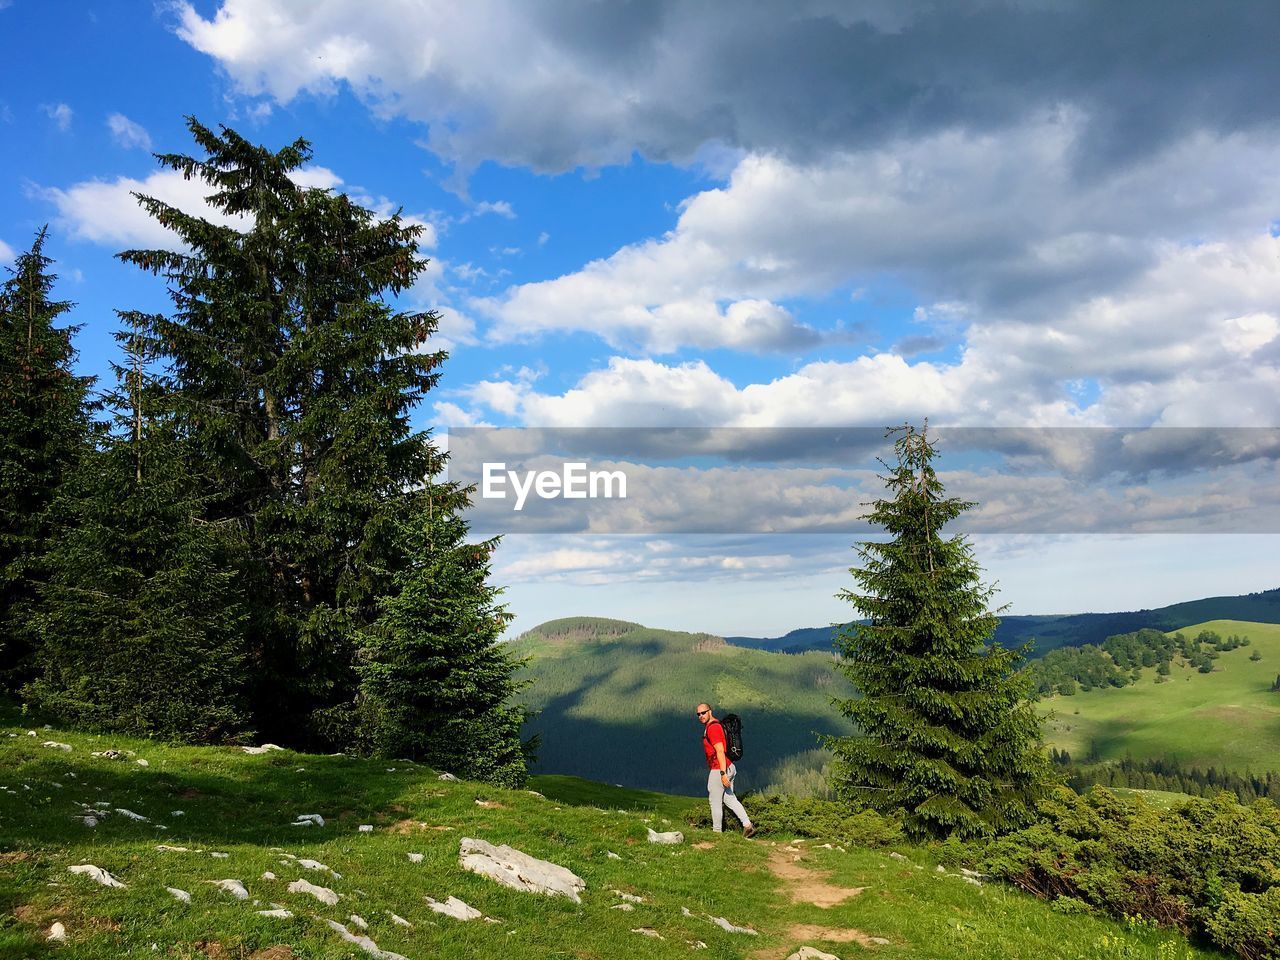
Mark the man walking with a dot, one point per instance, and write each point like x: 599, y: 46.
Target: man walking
x: 721, y: 773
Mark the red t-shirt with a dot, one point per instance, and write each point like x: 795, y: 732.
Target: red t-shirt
x: 713, y: 734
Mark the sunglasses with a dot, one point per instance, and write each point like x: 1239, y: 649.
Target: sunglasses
x: 703, y: 712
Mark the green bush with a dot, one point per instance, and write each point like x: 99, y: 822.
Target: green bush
x: 1208, y: 866
x: 813, y: 817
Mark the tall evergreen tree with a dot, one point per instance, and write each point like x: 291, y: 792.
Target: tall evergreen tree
x: 947, y: 732
x: 143, y: 617
x: 44, y: 428
x: 436, y: 684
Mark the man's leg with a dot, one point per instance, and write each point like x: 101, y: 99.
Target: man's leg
x: 732, y: 802
x: 715, y: 794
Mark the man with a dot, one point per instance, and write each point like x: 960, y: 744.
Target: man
x: 721, y: 773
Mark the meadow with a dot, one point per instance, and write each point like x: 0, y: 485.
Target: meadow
x: 1228, y: 719
x: 217, y: 813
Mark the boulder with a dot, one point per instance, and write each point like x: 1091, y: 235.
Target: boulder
x: 519, y: 871
x: 179, y: 894
x: 233, y: 887
x: 363, y: 942
x: 812, y: 953
x: 725, y: 925
x: 453, y: 907
x: 323, y: 894
x: 99, y: 875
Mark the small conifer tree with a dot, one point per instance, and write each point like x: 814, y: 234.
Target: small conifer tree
x: 947, y: 732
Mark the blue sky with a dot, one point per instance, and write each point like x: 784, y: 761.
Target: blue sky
x: 721, y: 214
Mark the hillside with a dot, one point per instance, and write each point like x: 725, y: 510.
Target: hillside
x: 1051, y: 631
x: 616, y: 699
x: 1228, y: 719
x: 217, y: 815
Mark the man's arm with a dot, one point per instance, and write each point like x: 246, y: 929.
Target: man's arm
x: 720, y: 760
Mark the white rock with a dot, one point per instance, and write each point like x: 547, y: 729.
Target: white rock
x: 55, y: 745
x: 233, y: 887
x: 973, y: 873
x: 399, y: 920
x: 448, y: 778
x: 696, y: 944
x: 177, y: 813
x: 611, y: 855
x: 308, y: 819
x: 90, y: 821
x: 414, y: 857
x: 812, y: 953
x: 268, y: 875
x: 366, y: 828
x: 453, y: 907
x: 168, y: 849
x: 99, y: 875
x: 973, y: 880
x: 323, y: 894
x: 939, y: 869
x: 143, y: 763
x: 265, y: 748
x: 279, y: 913
x: 179, y: 894
x: 622, y: 906
x: 219, y: 855
x: 629, y: 897
x: 363, y: 942
x: 724, y: 924
x: 648, y: 932
x: 131, y: 815
x: 672, y: 836
x: 897, y: 856
x: 317, y: 865
x: 57, y: 932
x: 686, y: 912
x: 518, y: 870
x: 358, y: 921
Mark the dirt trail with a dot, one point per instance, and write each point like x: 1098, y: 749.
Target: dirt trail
x: 805, y: 885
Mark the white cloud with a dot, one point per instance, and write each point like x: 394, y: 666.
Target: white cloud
x: 60, y: 114
x: 501, y: 208
x: 7, y: 254
x: 127, y: 133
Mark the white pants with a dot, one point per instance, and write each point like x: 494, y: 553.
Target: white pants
x: 721, y: 797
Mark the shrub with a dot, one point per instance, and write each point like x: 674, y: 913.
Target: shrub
x: 814, y: 817
x: 1207, y: 866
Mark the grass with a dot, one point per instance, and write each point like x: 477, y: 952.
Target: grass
x: 1228, y: 719
x: 243, y: 805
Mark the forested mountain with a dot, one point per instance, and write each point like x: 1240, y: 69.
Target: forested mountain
x: 1051, y: 631
x: 615, y: 702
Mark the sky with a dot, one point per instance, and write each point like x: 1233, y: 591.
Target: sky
x: 1033, y: 215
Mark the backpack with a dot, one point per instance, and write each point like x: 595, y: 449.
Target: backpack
x: 731, y: 724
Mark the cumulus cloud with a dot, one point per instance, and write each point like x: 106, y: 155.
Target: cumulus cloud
x: 599, y: 81
x: 7, y: 254
x: 127, y: 133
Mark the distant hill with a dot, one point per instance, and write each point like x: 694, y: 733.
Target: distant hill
x: 1228, y: 719
x: 616, y: 700
x: 1050, y: 631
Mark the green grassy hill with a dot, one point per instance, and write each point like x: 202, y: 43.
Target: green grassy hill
x: 1228, y: 719
x: 225, y: 815
x: 617, y: 699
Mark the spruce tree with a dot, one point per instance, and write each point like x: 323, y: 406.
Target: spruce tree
x: 44, y: 429
x: 143, y: 618
x: 294, y: 378
x: 947, y: 733
x: 436, y: 685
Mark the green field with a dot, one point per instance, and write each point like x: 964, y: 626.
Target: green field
x: 241, y: 806
x: 1228, y: 719
x: 615, y: 703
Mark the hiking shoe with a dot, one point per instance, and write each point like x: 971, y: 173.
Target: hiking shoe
x: 749, y: 832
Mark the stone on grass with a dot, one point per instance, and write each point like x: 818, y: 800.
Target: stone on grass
x: 179, y: 894
x: 366, y: 828
x: 399, y: 920
x: 414, y: 857
x: 648, y: 932
x: 519, y: 871
x: 54, y: 745
x: 143, y: 763
x: 358, y: 921
x: 672, y: 836
x: 724, y: 924
x: 611, y: 855
x: 57, y: 932
x: 448, y: 778
x: 98, y: 875
x: 279, y: 913
x: 812, y: 953
x: 317, y: 865
x: 308, y: 820
x: 453, y: 907
x: 629, y: 897
x: 131, y: 815
x: 233, y: 887
x: 897, y: 856
x: 265, y: 748
x: 218, y: 855
x: 622, y: 906
x: 323, y: 894
x: 363, y: 942
x: 268, y: 875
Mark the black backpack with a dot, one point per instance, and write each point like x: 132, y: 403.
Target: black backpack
x: 731, y: 724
